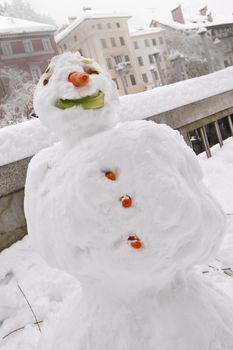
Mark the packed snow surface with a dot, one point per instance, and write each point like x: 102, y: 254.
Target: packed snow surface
x: 123, y: 208
x: 23, y: 140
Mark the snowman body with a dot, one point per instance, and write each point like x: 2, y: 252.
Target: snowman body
x: 124, y: 210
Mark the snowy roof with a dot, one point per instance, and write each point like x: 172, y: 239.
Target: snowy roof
x: 88, y: 16
x: 11, y: 25
x: 220, y: 21
x: 196, y: 22
x: 145, y: 31
x: 176, y: 25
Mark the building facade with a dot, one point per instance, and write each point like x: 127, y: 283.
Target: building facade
x: 219, y: 29
x: 25, y: 45
x: 105, y: 38
x: 151, y: 53
x: 222, y: 34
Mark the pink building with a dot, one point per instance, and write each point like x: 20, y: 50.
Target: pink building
x: 25, y: 45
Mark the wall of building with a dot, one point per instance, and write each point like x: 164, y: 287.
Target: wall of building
x: 35, y: 61
x: 145, y: 46
x: 224, y: 33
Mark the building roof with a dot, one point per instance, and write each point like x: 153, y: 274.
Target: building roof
x: 11, y: 25
x: 196, y: 22
x: 87, y: 16
x: 145, y: 31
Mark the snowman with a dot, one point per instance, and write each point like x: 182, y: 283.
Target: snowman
x: 122, y: 208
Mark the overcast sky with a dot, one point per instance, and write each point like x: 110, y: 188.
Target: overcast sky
x: 142, y: 11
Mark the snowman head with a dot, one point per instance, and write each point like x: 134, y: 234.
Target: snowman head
x: 75, y: 98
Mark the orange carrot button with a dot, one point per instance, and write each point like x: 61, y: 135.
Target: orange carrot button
x: 135, y: 242
x: 110, y: 175
x: 126, y: 201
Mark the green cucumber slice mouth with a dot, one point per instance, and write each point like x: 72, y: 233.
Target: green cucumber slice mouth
x: 95, y: 101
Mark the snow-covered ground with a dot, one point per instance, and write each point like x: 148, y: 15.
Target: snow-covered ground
x: 23, y: 272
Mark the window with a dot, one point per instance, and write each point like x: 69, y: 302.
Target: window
x: 151, y: 59
x: 109, y: 63
x: 132, y: 79
x: 75, y: 38
x: 118, y: 25
x: 103, y: 43
x: 109, y: 25
x: 2, y: 90
x: 99, y: 26
x: 118, y: 59
x: 6, y: 48
x: 47, y: 44
x: 161, y: 40
x: 28, y: 46
x: 122, y: 41
x: 36, y: 72
x: 116, y: 82
x: 155, y: 74
x: 135, y: 44
x: 113, y: 42
x: 154, y: 43
x: 140, y: 61
x: 127, y: 58
x: 146, y: 41
x: 144, y: 78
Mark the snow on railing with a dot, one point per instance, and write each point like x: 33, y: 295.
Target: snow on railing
x: 26, y: 139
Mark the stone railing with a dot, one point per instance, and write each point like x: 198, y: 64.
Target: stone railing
x: 194, y: 121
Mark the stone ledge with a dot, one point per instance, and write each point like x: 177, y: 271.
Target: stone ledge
x: 12, y: 176
x: 12, y: 219
x: 8, y: 238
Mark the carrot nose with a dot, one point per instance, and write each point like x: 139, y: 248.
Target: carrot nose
x: 79, y: 79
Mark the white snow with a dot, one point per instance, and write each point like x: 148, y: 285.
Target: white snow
x: 23, y: 140
x: 145, y: 31
x: 162, y: 99
x: 11, y: 25
x: 135, y: 262
x: 196, y: 22
x: 48, y: 289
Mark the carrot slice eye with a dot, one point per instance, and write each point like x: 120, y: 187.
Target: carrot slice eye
x: 110, y: 175
x: 91, y: 70
x: 45, y: 81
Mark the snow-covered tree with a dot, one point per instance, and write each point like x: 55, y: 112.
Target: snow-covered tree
x: 2, y: 10
x: 23, y: 9
x: 189, y: 46
x: 16, y: 106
